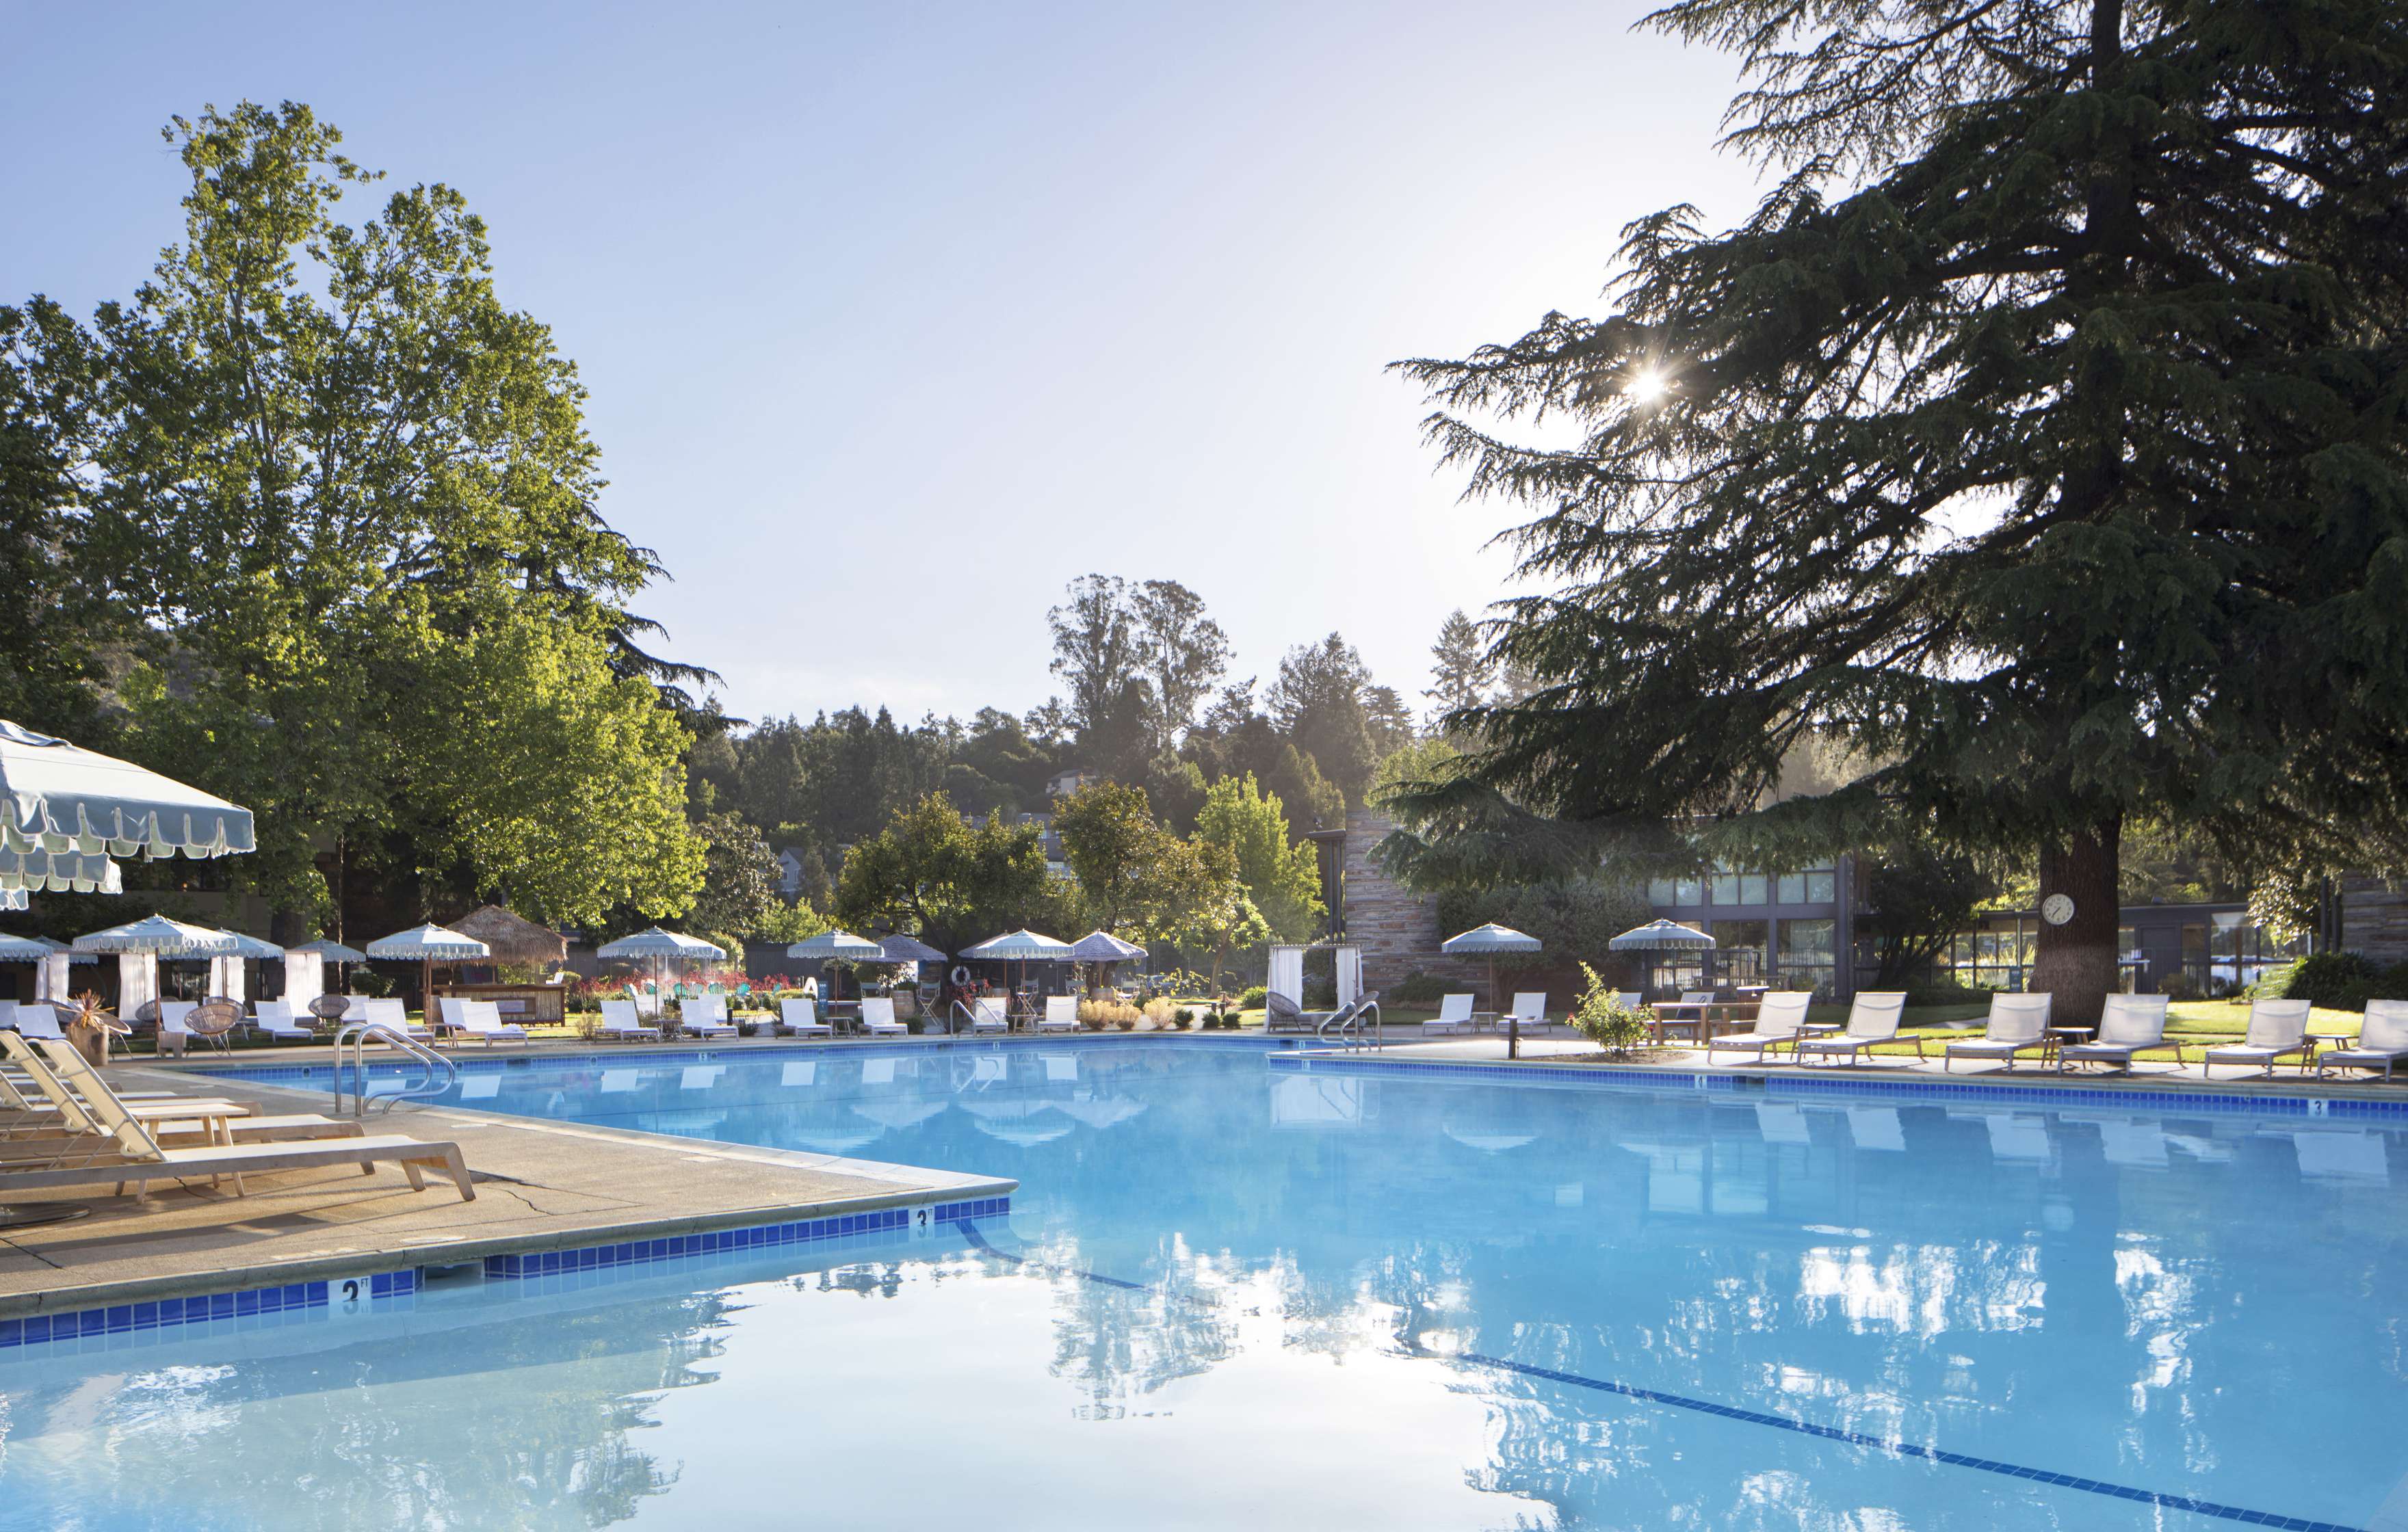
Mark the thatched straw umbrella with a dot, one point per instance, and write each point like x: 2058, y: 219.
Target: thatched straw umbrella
x: 513, y: 939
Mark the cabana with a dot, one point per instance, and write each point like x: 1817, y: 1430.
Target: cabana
x: 304, y: 968
x: 140, y: 945
x: 1286, y: 976
x: 229, y: 979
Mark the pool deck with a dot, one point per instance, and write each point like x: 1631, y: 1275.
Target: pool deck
x: 540, y: 1186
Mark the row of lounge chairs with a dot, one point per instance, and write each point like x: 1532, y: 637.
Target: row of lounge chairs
x: 2130, y: 1026
x: 62, y: 1124
x: 1455, y: 1016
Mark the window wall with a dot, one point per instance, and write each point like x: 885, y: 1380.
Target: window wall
x: 1807, y: 955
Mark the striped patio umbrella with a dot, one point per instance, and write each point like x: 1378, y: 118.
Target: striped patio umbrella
x: 1487, y: 941
x: 1022, y: 947
x: 56, y: 796
x: 662, y: 947
x: 429, y: 944
x: 837, y: 946
x: 1660, y: 936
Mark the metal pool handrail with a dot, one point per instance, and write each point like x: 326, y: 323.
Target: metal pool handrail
x: 358, y: 1034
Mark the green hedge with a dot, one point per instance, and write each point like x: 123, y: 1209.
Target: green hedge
x: 2340, y: 980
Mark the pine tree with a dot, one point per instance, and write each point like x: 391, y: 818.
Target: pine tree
x: 1461, y: 671
x: 2039, y: 436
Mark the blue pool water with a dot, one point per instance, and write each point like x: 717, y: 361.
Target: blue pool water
x: 1230, y: 1293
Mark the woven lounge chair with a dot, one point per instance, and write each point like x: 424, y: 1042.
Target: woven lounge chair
x: 2017, y: 1025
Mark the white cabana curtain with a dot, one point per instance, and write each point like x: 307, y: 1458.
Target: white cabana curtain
x: 138, y: 982
x: 51, y: 978
x: 227, y: 979
x: 1287, y: 973
x: 305, y: 978
x: 1350, y: 974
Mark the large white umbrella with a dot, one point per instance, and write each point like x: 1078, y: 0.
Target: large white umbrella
x: 1023, y: 946
x: 55, y: 797
x: 38, y: 948
x: 662, y: 947
x: 1487, y: 941
x: 837, y: 946
x: 428, y: 944
x: 161, y: 938
x: 1104, y: 946
x: 59, y: 872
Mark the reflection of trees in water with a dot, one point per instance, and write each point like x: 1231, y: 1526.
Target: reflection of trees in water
x: 1116, y: 1342
x: 521, y: 1419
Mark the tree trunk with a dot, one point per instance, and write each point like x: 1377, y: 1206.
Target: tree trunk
x: 2076, y: 963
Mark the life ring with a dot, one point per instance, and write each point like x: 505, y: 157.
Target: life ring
x: 961, y: 977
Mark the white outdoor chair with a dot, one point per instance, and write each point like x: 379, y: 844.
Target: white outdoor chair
x: 1780, y: 1018
x: 2018, y: 1022
x: 802, y: 1018
x: 482, y: 1021
x: 619, y: 1023
x: 1061, y: 1014
x: 1454, y: 1015
x: 1529, y: 1009
x: 1872, y: 1018
x: 2382, y: 1042
x: 878, y: 1017
x: 988, y: 1015
x: 276, y: 1018
x: 2130, y: 1024
x: 706, y: 1016
x: 2277, y: 1029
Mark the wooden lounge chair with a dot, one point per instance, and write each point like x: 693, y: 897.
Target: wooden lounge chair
x: 802, y: 1018
x: 76, y: 1094
x: 1530, y: 1011
x: 706, y: 1016
x: 1780, y: 1019
x: 2277, y: 1029
x: 2129, y: 1025
x: 2382, y: 1042
x: 1454, y: 1015
x: 619, y: 1024
x: 2017, y: 1025
x: 878, y: 1017
x: 482, y: 1019
x: 986, y: 1015
x: 128, y: 1154
x: 1872, y: 1018
x: 1061, y: 1014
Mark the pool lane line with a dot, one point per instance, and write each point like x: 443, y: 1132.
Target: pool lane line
x: 1789, y: 1423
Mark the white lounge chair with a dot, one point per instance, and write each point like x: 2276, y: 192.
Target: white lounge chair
x: 482, y: 1019
x: 393, y: 1015
x: 276, y: 1018
x: 2277, y: 1029
x: 1779, y: 1020
x: 2382, y: 1042
x: 706, y: 1016
x: 878, y: 1017
x: 802, y: 1018
x: 131, y: 1154
x: 1061, y: 1014
x: 1530, y: 1011
x: 1872, y: 1018
x: 1454, y: 1015
x: 2017, y: 1024
x: 38, y: 1019
x: 986, y: 1015
x: 2129, y: 1024
x: 174, y: 1035
x: 619, y: 1023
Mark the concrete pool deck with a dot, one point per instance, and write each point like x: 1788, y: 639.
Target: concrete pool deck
x: 540, y: 1185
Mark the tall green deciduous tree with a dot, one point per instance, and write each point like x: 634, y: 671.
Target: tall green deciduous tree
x: 949, y: 884
x: 321, y: 464
x: 2040, y: 435
x: 1282, y: 877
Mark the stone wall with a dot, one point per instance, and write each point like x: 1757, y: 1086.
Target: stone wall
x: 1396, y: 928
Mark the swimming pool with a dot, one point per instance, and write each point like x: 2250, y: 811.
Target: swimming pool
x: 1234, y: 1292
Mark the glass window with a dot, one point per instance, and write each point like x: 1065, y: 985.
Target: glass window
x: 1726, y: 888
x: 1821, y: 885
x: 1739, y: 952
x: 1806, y: 958
x: 1688, y: 891
x: 1659, y: 890
x: 1753, y: 888
x: 1792, y: 888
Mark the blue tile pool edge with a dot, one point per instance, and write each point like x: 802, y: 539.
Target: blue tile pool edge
x: 313, y: 1299
x: 1927, y: 1088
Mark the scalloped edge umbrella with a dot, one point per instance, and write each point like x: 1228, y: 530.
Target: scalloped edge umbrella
x: 1023, y: 947
x: 661, y: 947
x: 1491, y: 938
x: 430, y: 944
x: 1661, y: 936
x: 59, y: 796
x: 834, y: 946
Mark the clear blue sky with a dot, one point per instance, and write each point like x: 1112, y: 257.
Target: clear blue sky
x: 897, y: 317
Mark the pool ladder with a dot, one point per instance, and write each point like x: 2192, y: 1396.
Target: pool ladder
x: 1351, y: 1032
x: 440, y: 1075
